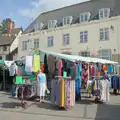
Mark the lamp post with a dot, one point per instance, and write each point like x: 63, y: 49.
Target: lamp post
x: 114, y: 55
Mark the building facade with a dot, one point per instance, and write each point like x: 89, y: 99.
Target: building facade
x: 88, y: 29
x: 9, y: 44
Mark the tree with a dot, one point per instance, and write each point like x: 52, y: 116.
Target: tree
x: 4, y: 25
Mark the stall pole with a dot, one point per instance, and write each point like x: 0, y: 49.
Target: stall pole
x: 3, y: 79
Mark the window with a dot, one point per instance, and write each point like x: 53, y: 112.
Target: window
x: 84, y: 17
x: 0, y: 57
x: 41, y: 26
x: 84, y: 54
x: 67, y: 20
x: 84, y: 37
x: 66, y: 39
x: 105, y: 54
x: 36, y: 43
x: 24, y: 45
x: 50, y: 41
x: 104, y: 34
x: 104, y: 13
x: 4, y: 48
x: 52, y: 23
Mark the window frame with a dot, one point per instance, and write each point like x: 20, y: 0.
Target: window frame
x: 102, y: 13
x: 104, y: 55
x: 52, y: 24
x: 104, y: 34
x: 36, y: 43
x: 50, y: 41
x: 24, y: 45
x: 84, y: 53
x: 66, y: 19
x: 84, y: 36
x: 83, y: 16
x: 66, y: 39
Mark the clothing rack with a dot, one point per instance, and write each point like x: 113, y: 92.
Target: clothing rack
x: 62, y: 77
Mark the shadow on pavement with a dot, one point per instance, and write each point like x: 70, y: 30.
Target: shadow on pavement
x: 85, y: 101
x: 11, y: 105
x: 108, y: 112
x: 48, y: 106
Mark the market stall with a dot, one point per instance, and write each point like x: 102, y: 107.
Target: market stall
x: 66, y: 75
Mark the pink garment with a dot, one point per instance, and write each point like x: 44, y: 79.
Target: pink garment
x: 60, y: 65
x: 93, y: 71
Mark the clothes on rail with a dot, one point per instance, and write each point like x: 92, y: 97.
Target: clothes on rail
x: 115, y: 82
x: 24, y: 91
x: 63, y: 92
x: 100, y: 89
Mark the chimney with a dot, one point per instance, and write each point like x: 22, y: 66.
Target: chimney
x: 10, y: 26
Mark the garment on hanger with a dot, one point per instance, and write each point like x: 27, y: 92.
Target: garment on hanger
x: 12, y: 69
x: 60, y: 65
x: 28, y: 64
x: 51, y: 64
x: 23, y: 71
x: 105, y: 90
x: 36, y: 63
x: 110, y: 69
x: 93, y: 70
x: 45, y: 64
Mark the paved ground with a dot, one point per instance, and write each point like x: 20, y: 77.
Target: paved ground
x: 86, y: 109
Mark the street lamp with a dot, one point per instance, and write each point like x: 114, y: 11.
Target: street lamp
x: 114, y: 54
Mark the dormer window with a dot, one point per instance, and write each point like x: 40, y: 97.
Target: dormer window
x: 85, y: 17
x: 41, y: 26
x: 104, y: 13
x: 52, y: 23
x: 67, y: 20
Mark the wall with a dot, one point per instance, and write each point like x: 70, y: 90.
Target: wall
x: 15, y: 43
x: 75, y: 46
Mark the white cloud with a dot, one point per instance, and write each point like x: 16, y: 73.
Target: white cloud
x: 40, y: 6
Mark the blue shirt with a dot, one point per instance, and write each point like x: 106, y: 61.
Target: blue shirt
x: 41, y: 78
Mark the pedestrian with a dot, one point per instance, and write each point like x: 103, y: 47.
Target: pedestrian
x: 42, y: 84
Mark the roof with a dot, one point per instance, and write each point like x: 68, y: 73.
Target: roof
x: 92, y: 6
x: 6, y: 40
x: 80, y: 58
x: 15, y: 30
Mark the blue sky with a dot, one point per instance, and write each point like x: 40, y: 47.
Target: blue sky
x: 23, y: 12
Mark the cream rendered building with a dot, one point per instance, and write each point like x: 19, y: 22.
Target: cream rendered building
x: 96, y: 38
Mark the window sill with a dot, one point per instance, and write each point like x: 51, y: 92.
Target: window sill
x: 83, y: 42
x: 66, y: 44
x: 50, y: 46
x: 103, y: 40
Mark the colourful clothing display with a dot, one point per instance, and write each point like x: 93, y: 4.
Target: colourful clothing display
x: 63, y: 92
